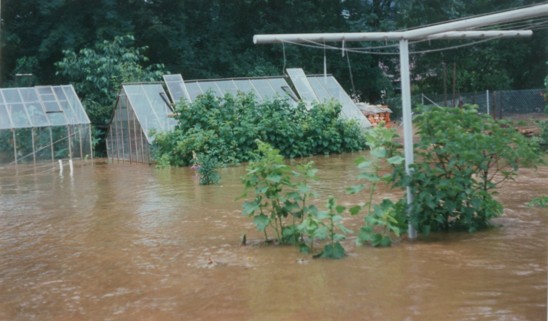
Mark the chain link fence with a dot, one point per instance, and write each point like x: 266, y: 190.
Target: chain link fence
x: 499, y: 103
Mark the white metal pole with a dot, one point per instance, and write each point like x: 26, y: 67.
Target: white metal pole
x: 486, y: 20
x: 407, y: 125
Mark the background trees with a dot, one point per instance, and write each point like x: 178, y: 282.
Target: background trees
x: 206, y: 39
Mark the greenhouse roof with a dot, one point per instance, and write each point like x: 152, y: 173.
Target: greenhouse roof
x: 262, y: 88
x: 150, y: 108
x: 310, y: 89
x: 41, y: 106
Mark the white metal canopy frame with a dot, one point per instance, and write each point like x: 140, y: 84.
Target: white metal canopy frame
x: 451, y: 30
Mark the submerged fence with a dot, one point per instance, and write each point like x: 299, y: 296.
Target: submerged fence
x: 499, y: 103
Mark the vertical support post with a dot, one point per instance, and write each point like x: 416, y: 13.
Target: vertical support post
x: 33, y: 145
x: 407, y: 124
x: 51, y: 145
x: 487, y: 103
x: 14, y: 145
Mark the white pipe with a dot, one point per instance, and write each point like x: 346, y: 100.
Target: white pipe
x: 487, y: 20
x: 61, y: 167
x: 71, y: 167
x: 407, y: 124
x: 383, y: 36
x: 481, y: 34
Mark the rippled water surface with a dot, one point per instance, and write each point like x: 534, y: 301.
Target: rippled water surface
x: 130, y: 242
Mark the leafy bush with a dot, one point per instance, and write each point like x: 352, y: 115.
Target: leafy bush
x: 226, y: 129
x: 382, y: 220
x: 280, y: 202
x: 462, y: 157
x: 543, y: 138
x: 207, y: 170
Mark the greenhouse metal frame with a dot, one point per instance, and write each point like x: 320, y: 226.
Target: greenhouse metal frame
x: 42, y: 123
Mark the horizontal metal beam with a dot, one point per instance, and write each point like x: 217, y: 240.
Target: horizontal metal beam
x: 481, y: 21
x: 481, y: 34
x: 440, y: 31
x: 383, y: 36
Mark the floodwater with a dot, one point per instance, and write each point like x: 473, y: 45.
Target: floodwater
x: 131, y: 242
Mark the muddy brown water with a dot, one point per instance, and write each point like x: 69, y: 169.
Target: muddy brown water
x: 130, y: 242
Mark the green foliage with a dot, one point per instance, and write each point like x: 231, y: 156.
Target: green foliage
x: 281, y: 202
x: 462, y: 157
x: 541, y: 201
x: 543, y: 137
x: 226, y: 129
x: 98, y: 72
x: 336, y: 231
x: 207, y: 169
x: 385, y: 219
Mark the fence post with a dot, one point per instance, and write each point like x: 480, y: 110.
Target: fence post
x: 487, y: 98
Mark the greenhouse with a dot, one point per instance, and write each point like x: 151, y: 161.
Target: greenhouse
x: 42, y: 123
x: 143, y: 109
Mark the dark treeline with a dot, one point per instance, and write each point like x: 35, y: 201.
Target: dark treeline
x: 211, y: 39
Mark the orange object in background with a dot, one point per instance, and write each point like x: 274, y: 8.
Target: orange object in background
x: 376, y: 113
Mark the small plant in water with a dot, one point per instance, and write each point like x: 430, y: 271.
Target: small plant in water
x: 207, y: 168
x: 386, y: 219
x: 281, y: 203
x: 541, y: 201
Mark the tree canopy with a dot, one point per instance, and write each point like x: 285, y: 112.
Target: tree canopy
x: 206, y: 39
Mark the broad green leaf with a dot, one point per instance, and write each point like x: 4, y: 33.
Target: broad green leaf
x: 250, y: 207
x: 261, y: 222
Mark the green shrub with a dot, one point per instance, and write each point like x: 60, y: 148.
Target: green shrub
x: 207, y: 169
x: 226, y: 129
x: 280, y: 202
x: 461, y: 159
x: 387, y: 219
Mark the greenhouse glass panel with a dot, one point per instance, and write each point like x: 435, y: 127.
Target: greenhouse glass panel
x: 43, y: 143
x: 331, y: 86
x: 245, y: 86
x: 18, y: 115
x: 279, y: 84
x: 302, y: 85
x: 5, y: 122
x: 321, y: 92
x: 210, y: 86
x: 11, y: 95
x: 227, y: 87
x: 37, y: 115
x: 176, y: 87
x: 264, y: 88
x: 194, y: 90
x: 29, y: 95
x: 75, y: 104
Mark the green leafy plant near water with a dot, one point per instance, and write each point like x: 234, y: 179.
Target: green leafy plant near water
x: 461, y: 160
x: 281, y: 205
x: 385, y: 220
x: 226, y: 129
x: 208, y: 169
x: 541, y: 201
x: 462, y: 157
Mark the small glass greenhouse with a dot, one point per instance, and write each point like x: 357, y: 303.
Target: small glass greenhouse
x: 42, y: 123
x: 146, y: 108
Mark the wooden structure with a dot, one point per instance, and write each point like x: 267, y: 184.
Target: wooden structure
x: 375, y: 113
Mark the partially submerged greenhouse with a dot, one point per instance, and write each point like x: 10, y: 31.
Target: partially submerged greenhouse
x: 143, y: 109
x: 42, y: 123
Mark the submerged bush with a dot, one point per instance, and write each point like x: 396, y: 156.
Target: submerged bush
x: 226, y: 129
x: 462, y: 157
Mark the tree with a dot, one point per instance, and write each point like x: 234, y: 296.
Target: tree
x: 97, y: 74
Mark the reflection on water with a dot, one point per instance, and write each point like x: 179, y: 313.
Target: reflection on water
x: 129, y: 242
